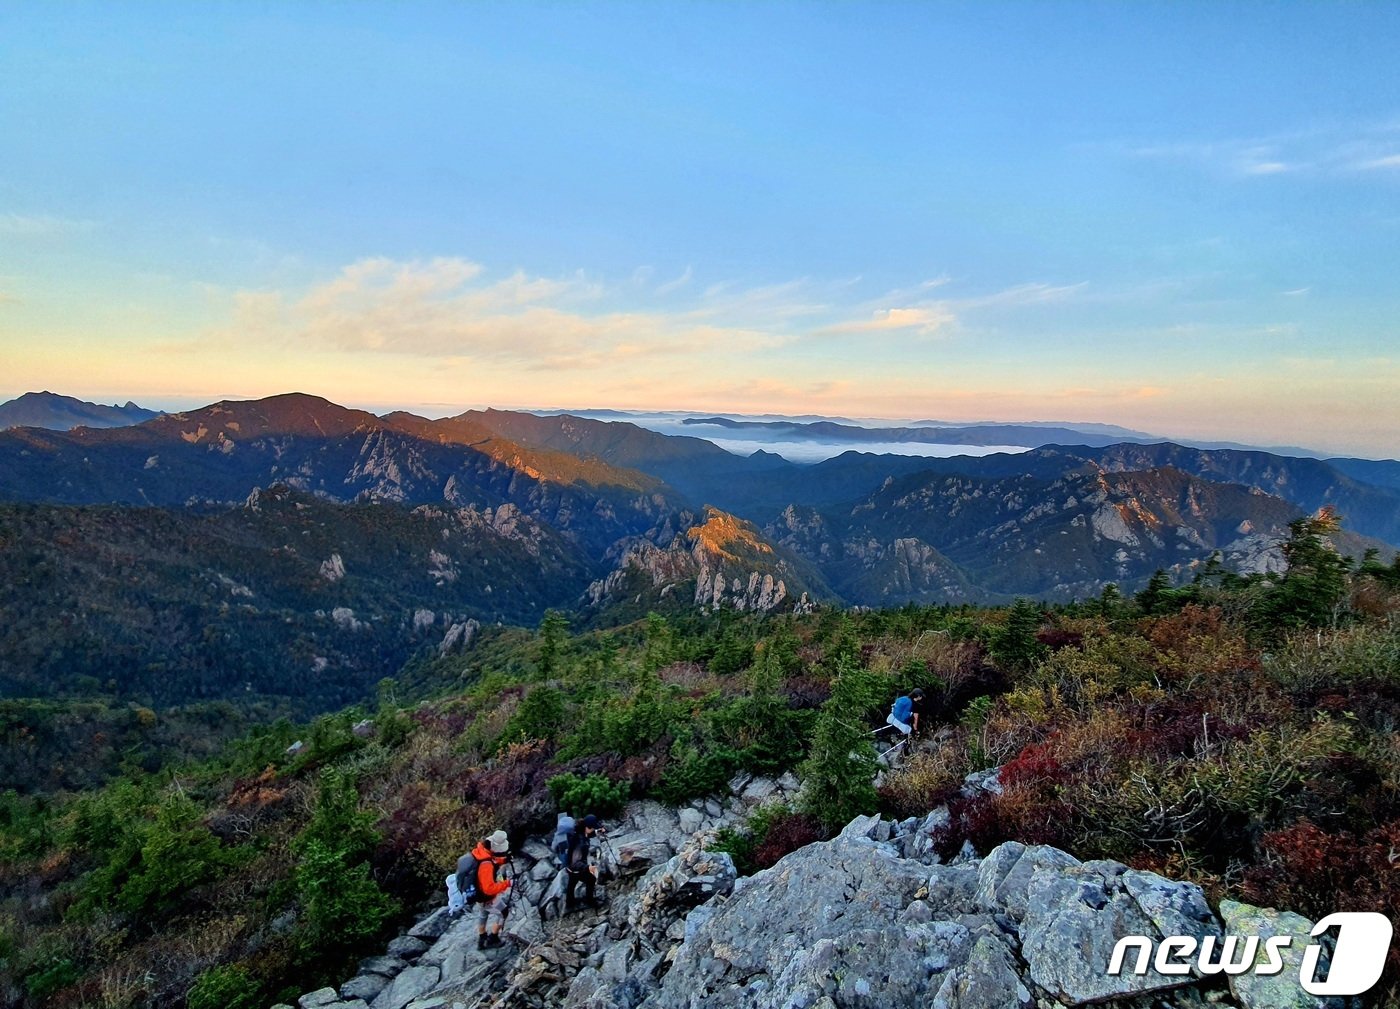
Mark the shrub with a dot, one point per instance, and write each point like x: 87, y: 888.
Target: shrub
x: 924, y: 782
x: 1014, y: 644
x: 785, y: 833
x: 697, y: 774
x: 341, y: 904
x: 771, y: 831
x: 225, y: 987
x: 592, y: 794
x: 539, y: 716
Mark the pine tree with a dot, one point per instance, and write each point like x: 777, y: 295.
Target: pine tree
x: 1014, y: 644
x: 838, y: 775
x: 1156, y: 598
x: 1313, y: 589
x: 554, y: 635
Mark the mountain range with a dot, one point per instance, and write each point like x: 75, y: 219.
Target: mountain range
x: 333, y: 544
x: 60, y: 413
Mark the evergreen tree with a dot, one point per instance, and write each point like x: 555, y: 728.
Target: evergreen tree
x: 341, y: 903
x: 1014, y: 644
x: 554, y: 635
x: 1156, y: 598
x: 1313, y: 590
x: 661, y: 644
x: 838, y: 774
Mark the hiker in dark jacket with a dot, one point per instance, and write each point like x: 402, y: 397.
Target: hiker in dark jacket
x: 576, y: 861
x: 492, y: 893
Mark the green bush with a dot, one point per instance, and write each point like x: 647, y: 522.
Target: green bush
x: 698, y: 774
x: 593, y: 794
x: 341, y: 904
x: 51, y: 975
x: 540, y: 716
x: 227, y: 986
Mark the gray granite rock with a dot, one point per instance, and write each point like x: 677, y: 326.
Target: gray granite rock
x: 318, y: 999
x: 407, y: 947
x: 433, y: 926
x: 406, y: 987
x: 1074, y: 917
x: 385, y: 966
x: 1276, y: 991
x: 987, y: 980
x: 364, y: 986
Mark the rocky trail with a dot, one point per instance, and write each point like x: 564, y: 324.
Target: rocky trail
x: 868, y: 920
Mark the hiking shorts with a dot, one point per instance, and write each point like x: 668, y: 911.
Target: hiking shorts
x: 901, y: 726
x: 491, y: 914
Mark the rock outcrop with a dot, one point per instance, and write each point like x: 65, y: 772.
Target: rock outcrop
x: 729, y: 560
x: 868, y: 920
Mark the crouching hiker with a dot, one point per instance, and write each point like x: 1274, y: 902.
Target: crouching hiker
x: 904, y: 713
x: 479, y: 879
x: 904, y: 719
x: 578, y: 862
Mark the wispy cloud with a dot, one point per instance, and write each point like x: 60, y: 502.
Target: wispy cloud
x: 1387, y: 161
x: 1318, y: 152
x: 450, y: 308
x: 41, y: 225
x: 675, y: 285
x: 1021, y: 294
x: 923, y: 321
x: 901, y: 312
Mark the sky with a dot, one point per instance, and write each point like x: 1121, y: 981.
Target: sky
x: 1183, y: 218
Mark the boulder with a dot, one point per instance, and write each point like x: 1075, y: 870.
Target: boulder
x: 523, y: 925
x: 1004, y: 876
x: 318, y: 999
x: 636, y: 857
x: 1276, y: 991
x: 407, y: 947
x: 759, y: 790
x: 986, y: 782
x: 1075, y: 914
x: 385, y: 966
x: 364, y: 986
x: 669, y: 891
x: 406, y: 987
x: 828, y: 907
x: 451, y: 953
x: 690, y: 820
x: 433, y: 926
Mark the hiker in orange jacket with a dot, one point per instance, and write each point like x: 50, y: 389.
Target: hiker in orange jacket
x: 492, y: 893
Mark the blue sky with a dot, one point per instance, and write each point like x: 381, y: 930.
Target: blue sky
x: 1183, y: 218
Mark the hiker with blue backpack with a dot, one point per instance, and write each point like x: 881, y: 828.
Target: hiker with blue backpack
x: 904, y: 719
x: 478, y: 881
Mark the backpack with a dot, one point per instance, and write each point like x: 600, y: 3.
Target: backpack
x: 468, y: 894
x: 562, y: 830
x: 456, y: 903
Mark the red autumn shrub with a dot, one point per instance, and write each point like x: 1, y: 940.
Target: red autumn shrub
x: 785, y: 834
x: 1035, y: 765
x: 1057, y: 637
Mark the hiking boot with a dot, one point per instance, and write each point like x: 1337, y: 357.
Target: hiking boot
x: 494, y: 941
x: 480, y: 941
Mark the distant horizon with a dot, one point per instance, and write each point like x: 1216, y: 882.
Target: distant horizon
x: 439, y: 411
